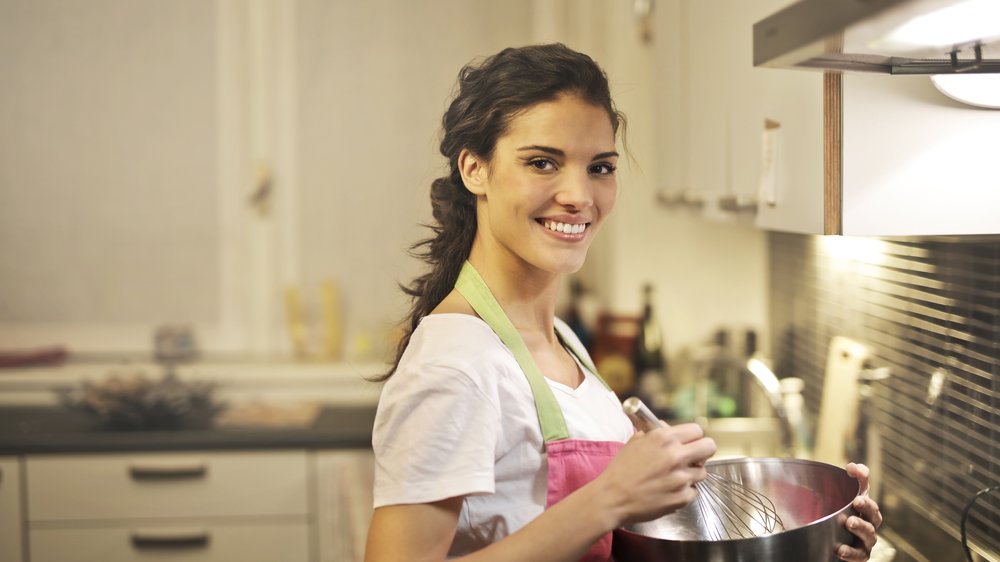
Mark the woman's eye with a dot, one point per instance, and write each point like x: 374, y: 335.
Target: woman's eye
x: 541, y: 164
x: 603, y: 169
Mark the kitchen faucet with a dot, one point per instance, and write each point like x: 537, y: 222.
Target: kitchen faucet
x: 757, y: 369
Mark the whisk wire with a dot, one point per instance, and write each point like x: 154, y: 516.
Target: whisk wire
x: 731, y: 510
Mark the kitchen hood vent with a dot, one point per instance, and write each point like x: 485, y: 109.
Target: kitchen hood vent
x: 882, y: 36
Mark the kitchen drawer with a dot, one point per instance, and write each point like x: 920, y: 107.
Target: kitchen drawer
x: 228, y: 543
x: 91, y: 487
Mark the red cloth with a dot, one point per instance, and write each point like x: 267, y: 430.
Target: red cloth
x: 33, y: 357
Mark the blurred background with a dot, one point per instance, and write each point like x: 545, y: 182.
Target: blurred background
x: 222, y: 193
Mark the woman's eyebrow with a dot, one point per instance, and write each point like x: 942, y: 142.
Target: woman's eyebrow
x: 540, y: 148
x: 562, y: 154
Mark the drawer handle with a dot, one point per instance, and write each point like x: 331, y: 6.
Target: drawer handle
x: 170, y: 539
x: 160, y: 472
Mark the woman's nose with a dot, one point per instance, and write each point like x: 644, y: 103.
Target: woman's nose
x: 575, y: 191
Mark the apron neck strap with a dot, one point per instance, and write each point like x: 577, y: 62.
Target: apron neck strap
x: 550, y: 417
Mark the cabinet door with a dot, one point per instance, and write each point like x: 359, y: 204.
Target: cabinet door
x: 776, y: 132
x: 733, y: 106
x: 709, y: 86
x: 10, y: 509
x: 208, y: 543
x: 344, y: 503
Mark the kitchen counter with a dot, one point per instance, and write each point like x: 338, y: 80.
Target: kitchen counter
x: 52, y: 429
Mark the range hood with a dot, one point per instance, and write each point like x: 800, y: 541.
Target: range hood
x: 882, y: 36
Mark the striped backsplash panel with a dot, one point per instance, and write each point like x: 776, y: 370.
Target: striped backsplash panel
x: 929, y: 310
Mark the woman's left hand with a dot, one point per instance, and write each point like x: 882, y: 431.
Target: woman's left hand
x: 863, y: 527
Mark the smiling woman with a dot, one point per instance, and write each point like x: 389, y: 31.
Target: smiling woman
x: 530, y: 139
x: 495, y: 437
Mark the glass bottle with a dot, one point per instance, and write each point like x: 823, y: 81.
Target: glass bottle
x: 574, y: 316
x: 650, y: 360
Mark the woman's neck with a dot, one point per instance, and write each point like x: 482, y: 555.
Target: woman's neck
x: 526, y: 293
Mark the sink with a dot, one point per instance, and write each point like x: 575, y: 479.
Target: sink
x: 745, y: 437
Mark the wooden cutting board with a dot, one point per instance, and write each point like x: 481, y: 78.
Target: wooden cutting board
x: 838, y: 413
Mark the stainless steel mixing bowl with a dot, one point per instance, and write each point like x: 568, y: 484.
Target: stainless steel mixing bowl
x: 813, y: 500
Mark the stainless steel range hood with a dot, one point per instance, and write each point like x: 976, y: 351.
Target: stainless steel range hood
x: 882, y: 36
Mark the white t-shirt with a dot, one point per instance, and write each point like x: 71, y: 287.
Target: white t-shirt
x: 458, y: 419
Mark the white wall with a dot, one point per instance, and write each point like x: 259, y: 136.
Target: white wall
x: 707, y: 274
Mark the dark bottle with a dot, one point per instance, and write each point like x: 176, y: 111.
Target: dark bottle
x: 574, y: 318
x: 650, y: 360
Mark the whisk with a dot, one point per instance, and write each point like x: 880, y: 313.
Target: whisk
x: 727, y: 509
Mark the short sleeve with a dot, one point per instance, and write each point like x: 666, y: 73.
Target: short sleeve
x: 435, y: 437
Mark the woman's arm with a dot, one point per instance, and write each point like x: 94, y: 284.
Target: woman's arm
x: 653, y: 474
x: 416, y: 532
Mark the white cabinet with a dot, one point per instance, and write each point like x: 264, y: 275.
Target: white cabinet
x: 188, y: 506
x: 727, y: 108
x: 293, y: 506
x: 10, y: 509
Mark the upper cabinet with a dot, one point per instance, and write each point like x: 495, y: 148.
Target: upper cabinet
x: 819, y: 153
x: 744, y: 134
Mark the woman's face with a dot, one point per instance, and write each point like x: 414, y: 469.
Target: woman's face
x: 549, y: 186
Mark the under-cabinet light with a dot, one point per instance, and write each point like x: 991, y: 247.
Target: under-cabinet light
x: 960, y: 24
x: 982, y: 90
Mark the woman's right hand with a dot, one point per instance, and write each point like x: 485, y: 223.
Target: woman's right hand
x: 655, y: 472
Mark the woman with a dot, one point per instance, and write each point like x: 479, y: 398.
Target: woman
x: 479, y: 455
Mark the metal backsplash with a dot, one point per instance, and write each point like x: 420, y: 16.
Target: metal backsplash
x: 930, y: 311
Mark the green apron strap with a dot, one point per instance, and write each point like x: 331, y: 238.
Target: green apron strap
x: 550, y: 417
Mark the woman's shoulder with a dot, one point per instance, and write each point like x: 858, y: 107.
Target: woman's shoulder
x: 454, y: 302
x: 453, y: 341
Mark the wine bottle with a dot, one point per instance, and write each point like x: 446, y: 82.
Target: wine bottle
x: 650, y: 360
x: 574, y: 317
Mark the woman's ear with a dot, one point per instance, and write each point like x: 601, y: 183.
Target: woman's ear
x: 473, y: 170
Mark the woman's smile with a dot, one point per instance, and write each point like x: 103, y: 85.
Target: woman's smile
x: 568, y: 231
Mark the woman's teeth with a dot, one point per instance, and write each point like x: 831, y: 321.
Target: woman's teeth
x: 564, y: 227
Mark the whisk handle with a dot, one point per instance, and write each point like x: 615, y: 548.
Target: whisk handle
x: 642, y: 417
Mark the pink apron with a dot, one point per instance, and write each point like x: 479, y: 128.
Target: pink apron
x: 572, y: 462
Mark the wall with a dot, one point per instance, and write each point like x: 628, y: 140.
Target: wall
x: 707, y: 274
x: 136, y: 136
x: 921, y: 306
x: 374, y: 79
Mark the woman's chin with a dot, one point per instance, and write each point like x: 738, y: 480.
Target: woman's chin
x: 563, y: 265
